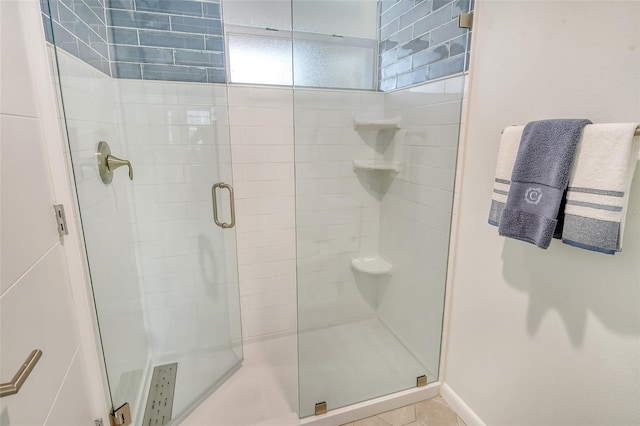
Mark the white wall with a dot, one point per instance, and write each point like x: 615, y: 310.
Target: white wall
x: 545, y: 337
x: 416, y: 214
x: 37, y: 306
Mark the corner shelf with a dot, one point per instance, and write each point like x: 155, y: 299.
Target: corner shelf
x: 390, y: 166
x: 392, y: 123
x: 374, y: 265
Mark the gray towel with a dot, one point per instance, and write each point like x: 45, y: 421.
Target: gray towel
x: 539, y: 180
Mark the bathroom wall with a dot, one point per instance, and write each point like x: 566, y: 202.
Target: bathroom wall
x: 554, y: 334
x: 166, y: 40
x: 337, y: 209
x: 421, y: 41
x: 37, y: 301
x: 80, y: 28
x: 416, y: 214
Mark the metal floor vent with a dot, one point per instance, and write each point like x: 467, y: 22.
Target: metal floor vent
x: 160, y: 400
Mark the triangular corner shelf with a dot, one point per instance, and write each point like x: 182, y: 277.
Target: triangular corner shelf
x: 392, y: 123
x: 389, y: 166
x: 373, y: 265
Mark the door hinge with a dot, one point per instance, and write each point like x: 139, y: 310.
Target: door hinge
x: 465, y: 20
x: 61, y: 220
x: 121, y: 416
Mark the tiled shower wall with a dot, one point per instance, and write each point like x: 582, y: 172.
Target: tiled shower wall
x: 420, y: 41
x: 80, y: 28
x: 261, y: 120
x: 178, y: 142
x: 416, y: 213
x: 166, y: 40
x: 337, y: 208
x: 141, y: 39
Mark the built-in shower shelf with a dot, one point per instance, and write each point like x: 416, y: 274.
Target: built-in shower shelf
x: 389, y: 166
x: 374, y: 265
x: 392, y: 123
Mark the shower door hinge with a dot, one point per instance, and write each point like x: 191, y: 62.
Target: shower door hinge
x: 121, y: 416
x: 321, y: 408
x: 421, y: 381
x: 61, y: 220
x: 465, y: 20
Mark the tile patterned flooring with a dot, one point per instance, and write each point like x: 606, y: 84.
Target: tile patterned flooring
x: 431, y: 412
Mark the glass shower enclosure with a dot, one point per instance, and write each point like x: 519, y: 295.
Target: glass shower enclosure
x: 145, y: 98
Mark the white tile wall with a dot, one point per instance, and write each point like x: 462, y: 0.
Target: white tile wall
x: 416, y: 214
x: 261, y: 122
x: 177, y: 137
x: 337, y: 209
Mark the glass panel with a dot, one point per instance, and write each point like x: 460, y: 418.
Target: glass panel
x: 320, y: 63
x: 164, y: 276
x: 260, y: 60
x: 374, y: 188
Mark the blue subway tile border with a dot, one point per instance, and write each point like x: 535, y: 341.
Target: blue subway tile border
x: 174, y: 73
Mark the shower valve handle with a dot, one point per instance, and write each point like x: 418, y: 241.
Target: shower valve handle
x: 115, y: 162
x: 107, y: 163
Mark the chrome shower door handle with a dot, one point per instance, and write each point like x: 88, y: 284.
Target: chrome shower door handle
x: 21, y: 376
x: 232, y: 207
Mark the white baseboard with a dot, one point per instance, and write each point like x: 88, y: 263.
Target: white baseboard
x: 460, y: 407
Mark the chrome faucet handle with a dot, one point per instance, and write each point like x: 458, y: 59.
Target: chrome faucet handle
x: 107, y: 163
x: 115, y: 162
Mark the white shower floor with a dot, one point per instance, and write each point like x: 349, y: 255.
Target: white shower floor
x: 372, y: 363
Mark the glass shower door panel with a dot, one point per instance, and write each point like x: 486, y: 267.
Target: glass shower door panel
x: 164, y: 275
x: 374, y: 188
x: 178, y: 135
x: 91, y: 108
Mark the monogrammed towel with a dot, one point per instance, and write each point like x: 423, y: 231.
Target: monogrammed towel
x: 539, y: 180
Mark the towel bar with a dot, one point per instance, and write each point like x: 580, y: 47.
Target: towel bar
x: 636, y: 133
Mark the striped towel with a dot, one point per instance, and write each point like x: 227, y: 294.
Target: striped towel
x: 506, y: 159
x: 599, y: 186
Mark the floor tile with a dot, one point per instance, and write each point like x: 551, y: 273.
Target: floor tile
x: 371, y: 421
x: 399, y: 417
x: 435, y: 412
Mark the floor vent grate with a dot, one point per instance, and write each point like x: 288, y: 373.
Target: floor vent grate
x: 160, y: 400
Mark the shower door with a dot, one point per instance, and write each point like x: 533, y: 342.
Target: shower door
x: 158, y: 226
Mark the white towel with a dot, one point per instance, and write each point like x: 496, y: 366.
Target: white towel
x: 599, y: 185
x: 507, y: 154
